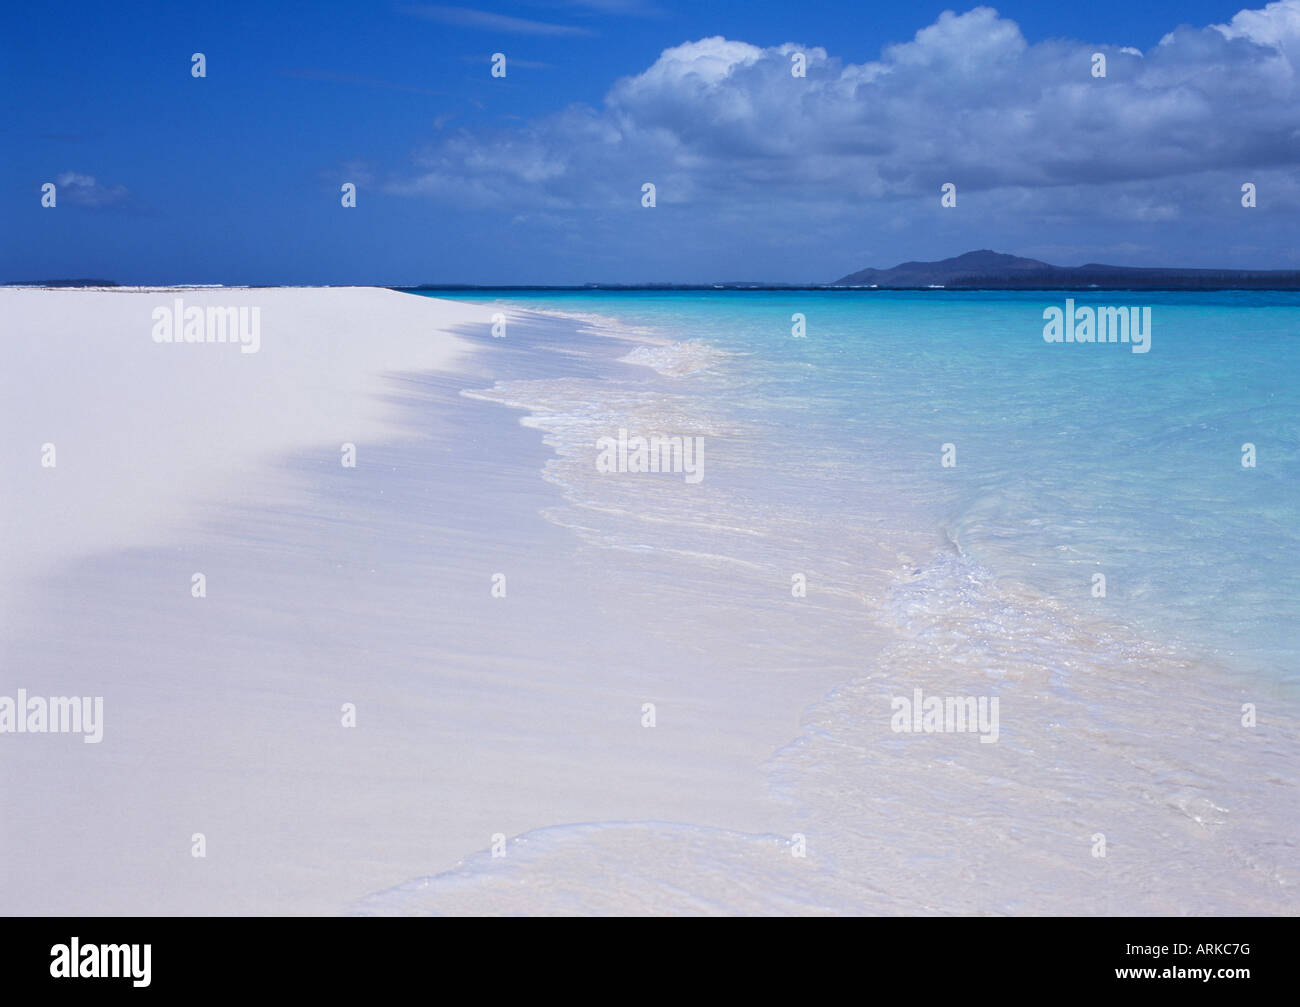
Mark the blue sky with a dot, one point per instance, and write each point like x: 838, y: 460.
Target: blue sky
x: 536, y: 178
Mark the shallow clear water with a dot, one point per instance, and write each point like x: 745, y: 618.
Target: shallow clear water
x: 1071, y: 459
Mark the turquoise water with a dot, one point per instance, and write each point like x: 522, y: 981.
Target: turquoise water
x: 1071, y: 459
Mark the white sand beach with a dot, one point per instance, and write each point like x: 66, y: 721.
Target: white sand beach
x: 325, y: 585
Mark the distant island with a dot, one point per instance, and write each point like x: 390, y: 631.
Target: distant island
x: 998, y: 270
x: 983, y: 269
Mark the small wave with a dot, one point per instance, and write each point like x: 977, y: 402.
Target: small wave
x: 608, y: 326
x: 623, y: 868
x: 675, y: 359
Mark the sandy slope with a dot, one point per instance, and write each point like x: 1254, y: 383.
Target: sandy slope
x: 142, y: 430
x: 325, y: 586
